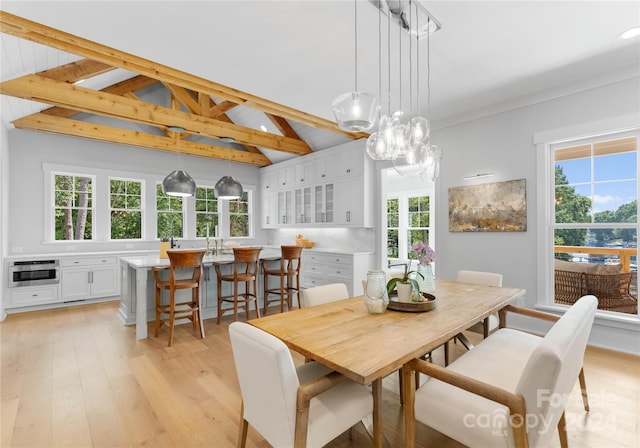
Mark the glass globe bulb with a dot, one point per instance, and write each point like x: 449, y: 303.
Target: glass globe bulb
x: 419, y: 130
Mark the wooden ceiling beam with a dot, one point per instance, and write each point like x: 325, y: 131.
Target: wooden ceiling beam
x: 76, y: 128
x: 185, y: 98
x: 35, y: 32
x: 125, y: 87
x: 77, y: 71
x: 283, y: 126
x: 221, y: 108
x: 70, y: 96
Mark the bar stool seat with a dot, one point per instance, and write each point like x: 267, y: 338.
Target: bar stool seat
x: 179, y: 260
x: 288, y: 275
x: 245, y: 270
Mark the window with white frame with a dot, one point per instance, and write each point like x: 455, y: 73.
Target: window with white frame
x: 240, y: 215
x: 125, y: 209
x: 206, y: 212
x: 408, y: 221
x: 594, y: 222
x: 169, y: 215
x: 73, y: 208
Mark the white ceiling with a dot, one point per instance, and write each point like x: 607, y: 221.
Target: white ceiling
x: 489, y: 55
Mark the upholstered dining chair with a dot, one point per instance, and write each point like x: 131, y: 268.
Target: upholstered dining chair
x: 291, y: 407
x: 288, y: 276
x: 319, y: 295
x: 185, y: 272
x: 510, y: 390
x: 245, y: 270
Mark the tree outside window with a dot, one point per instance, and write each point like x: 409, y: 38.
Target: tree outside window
x: 239, y: 217
x: 169, y: 215
x: 73, y: 207
x: 393, y: 222
x: 125, y: 203
x: 206, y: 211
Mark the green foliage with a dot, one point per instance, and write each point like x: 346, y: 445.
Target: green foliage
x: 570, y: 208
x: 391, y: 284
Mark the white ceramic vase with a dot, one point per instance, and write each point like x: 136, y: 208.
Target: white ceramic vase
x: 404, y: 291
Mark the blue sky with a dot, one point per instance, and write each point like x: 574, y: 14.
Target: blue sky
x: 614, y: 176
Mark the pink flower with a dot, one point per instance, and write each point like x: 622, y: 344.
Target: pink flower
x: 425, y: 253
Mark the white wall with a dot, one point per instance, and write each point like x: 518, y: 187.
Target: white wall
x: 4, y: 182
x: 503, y: 144
x: 28, y: 151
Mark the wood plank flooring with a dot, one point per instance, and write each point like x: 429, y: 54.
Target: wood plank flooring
x: 76, y: 377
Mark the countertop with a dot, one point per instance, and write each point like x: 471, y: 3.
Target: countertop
x: 148, y: 261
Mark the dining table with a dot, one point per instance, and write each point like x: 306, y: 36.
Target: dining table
x: 366, y: 347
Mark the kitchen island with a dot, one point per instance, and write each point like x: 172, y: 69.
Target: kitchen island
x: 136, y: 282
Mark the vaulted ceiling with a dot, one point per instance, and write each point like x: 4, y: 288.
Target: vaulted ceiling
x: 194, y: 106
x: 229, y: 69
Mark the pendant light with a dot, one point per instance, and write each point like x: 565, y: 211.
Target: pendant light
x: 178, y: 182
x: 355, y: 111
x: 228, y: 188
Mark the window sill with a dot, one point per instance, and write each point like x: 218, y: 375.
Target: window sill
x: 604, y: 318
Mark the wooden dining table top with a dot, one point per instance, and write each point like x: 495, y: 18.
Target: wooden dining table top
x: 366, y: 347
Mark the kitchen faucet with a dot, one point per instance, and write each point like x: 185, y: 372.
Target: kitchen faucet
x: 173, y: 243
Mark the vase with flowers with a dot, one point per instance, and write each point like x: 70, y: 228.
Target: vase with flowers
x: 426, y: 255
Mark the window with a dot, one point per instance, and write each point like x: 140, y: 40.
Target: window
x: 239, y: 216
x: 73, y: 207
x: 418, y: 222
x: 595, y: 223
x: 125, y: 206
x: 393, y: 221
x: 206, y: 212
x: 169, y: 215
x: 408, y: 221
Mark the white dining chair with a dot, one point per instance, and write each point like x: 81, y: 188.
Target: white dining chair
x: 292, y: 407
x: 319, y: 295
x: 511, y: 389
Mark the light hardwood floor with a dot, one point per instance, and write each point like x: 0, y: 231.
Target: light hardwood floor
x: 76, y: 377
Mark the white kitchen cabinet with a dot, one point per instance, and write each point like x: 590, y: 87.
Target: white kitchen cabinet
x: 304, y: 174
x: 89, y: 277
x: 285, y: 207
x: 33, y: 295
x: 324, y: 202
x: 322, y: 268
x: 269, y: 205
x: 340, y: 189
x: 303, y: 203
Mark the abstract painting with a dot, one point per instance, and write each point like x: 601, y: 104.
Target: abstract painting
x: 489, y: 207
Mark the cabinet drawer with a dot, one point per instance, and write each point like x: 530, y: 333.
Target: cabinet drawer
x: 328, y: 259
x: 33, y: 296
x: 91, y: 261
x: 340, y: 271
x: 314, y: 268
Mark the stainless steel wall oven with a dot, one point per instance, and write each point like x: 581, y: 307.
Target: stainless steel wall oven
x: 34, y: 273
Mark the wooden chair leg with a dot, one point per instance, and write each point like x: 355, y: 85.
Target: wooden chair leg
x: 219, y: 301
x: 172, y: 318
x: 562, y: 432
x: 157, y: 323
x: 446, y: 353
x: 235, y: 301
x: 242, y: 431
x: 583, y: 389
x: 401, y: 387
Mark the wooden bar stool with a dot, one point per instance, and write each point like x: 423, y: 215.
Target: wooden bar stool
x: 178, y: 260
x: 289, y: 278
x: 245, y: 270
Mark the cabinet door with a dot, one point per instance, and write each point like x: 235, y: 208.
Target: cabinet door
x: 304, y: 174
x: 351, y: 162
x: 269, y: 180
x: 104, y: 281
x: 285, y: 207
x: 269, y: 209
x: 285, y: 177
x: 303, y: 205
x: 324, y: 203
x: 75, y: 284
x: 350, y: 202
